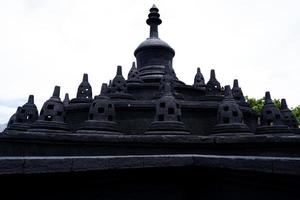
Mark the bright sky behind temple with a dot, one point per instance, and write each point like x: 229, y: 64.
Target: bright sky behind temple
x: 44, y: 43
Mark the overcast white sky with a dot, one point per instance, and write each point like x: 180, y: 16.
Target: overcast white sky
x: 44, y: 43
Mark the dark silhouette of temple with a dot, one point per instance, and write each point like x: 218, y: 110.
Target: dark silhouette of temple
x: 154, y: 133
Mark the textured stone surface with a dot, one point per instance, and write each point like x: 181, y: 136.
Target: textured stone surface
x: 29, y: 165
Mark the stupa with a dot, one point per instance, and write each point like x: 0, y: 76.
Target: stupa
x: 151, y: 136
x: 135, y: 100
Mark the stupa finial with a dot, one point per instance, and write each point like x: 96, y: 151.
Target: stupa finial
x: 133, y: 65
x: 283, y: 104
x: 66, y: 100
x: 30, y: 99
x: 198, y: 70
x: 268, y: 98
x: 56, y: 92
x: 153, y: 21
x: 85, y: 78
x: 119, y: 70
x: 104, y: 89
x: 235, y: 83
x: 212, y: 74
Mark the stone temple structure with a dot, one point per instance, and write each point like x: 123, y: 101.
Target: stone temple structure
x: 151, y: 136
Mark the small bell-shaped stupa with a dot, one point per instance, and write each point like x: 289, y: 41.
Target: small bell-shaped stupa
x: 288, y: 117
x: 52, y: 116
x: 230, y: 118
x: 238, y: 94
x: 168, y: 116
x: 84, y: 91
x: 213, y: 86
x: 118, y: 87
x: 25, y: 116
x: 133, y: 75
x: 101, y: 117
x: 66, y: 100
x: 271, y: 118
x: 199, y: 81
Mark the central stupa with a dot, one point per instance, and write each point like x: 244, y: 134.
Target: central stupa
x: 154, y: 56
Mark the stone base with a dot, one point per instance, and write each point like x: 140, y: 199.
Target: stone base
x: 19, y: 126
x: 49, y: 126
x: 121, y: 95
x: 167, y: 128
x: 231, y: 129
x: 99, y: 127
x: 276, y: 129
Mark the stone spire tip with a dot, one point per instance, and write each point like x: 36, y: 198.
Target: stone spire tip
x: 56, y: 92
x: 67, y: 96
x: 30, y: 99
x: 283, y: 104
x: 104, y: 89
x: 85, y: 78
x: 119, y: 70
x: 235, y: 83
x: 133, y: 65
x: 268, y: 98
x: 212, y: 74
x: 153, y: 21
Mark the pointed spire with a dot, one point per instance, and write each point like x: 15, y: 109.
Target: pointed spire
x: 85, y: 78
x: 199, y: 79
x: 30, y: 99
x: 30, y: 103
x: 56, y: 92
x: 212, y: 74
x: 213, y: 85
x: 66, y: 99
x: 19, y: 109
x: 154, y: 6
x: 133, y: 65
x: 268, y: 99
x: 283, y: 104
x: 153, y: 21
x: 235, y: 83
x: 104, y: 89
x: 119, y: 70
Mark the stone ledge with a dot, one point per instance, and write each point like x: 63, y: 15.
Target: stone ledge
x: 35, y: 165
x: 10, y: 135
